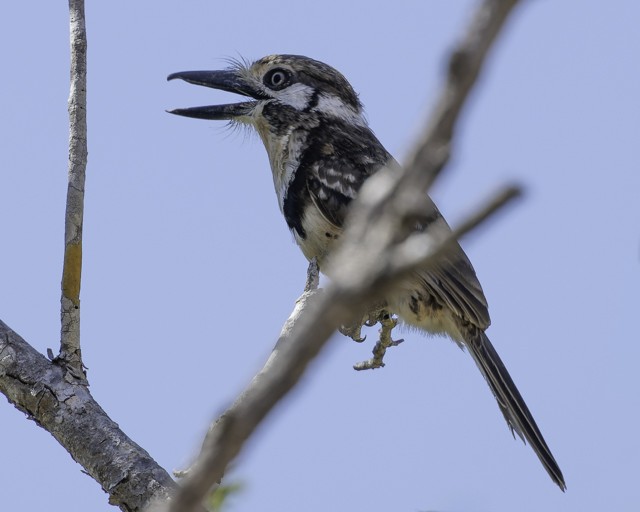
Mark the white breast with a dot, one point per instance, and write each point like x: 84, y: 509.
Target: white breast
x: 321, y: 235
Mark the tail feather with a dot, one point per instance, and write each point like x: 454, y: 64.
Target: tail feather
x: 511, y: 403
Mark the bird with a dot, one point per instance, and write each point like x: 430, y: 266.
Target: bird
x: 321, y: 150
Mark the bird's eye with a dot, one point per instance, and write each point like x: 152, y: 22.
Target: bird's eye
x: 277, y: 79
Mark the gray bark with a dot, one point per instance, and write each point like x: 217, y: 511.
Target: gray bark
x: 64, y: 407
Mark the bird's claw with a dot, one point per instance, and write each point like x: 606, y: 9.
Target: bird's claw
x: 353, y: 331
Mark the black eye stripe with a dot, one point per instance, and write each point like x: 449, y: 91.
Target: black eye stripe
x: 277, y: 79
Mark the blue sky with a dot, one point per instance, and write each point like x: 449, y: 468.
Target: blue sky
x: 190, y: 271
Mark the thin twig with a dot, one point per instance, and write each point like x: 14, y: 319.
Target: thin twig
x: 433, y: 148
x: 70, y: 353
x: 361, y: 266
x: 55, y: 395
x: 410, y: 255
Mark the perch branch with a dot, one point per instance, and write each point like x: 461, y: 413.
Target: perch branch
x: 316, y: 316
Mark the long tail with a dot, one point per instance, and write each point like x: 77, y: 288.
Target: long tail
x: 510, y: 401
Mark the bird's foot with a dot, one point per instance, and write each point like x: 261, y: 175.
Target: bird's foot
x: 387, y: 323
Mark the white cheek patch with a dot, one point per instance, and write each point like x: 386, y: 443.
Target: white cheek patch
x: 333, y: 106
x: 297, y: 96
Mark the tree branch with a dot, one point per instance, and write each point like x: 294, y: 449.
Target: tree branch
x: 67, y: 410
x: 378, y: 246
x: 433, y: 148
x: 70, y: 352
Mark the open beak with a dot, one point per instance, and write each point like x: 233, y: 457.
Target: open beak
x: 226, y: 80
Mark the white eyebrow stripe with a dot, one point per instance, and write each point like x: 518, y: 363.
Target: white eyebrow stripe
x: 333, y: 106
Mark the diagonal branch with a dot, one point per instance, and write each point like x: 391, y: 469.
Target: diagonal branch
x: 70, y: 352
x: 67, y: 410
x: 377, y: 248
x: 315, y: 318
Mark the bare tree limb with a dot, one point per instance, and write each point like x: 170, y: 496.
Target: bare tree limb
x: 413, y: 253
x: 67, y: 410
x: 433, y: 148
x: 70, y: 352
x: 377, y: 247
